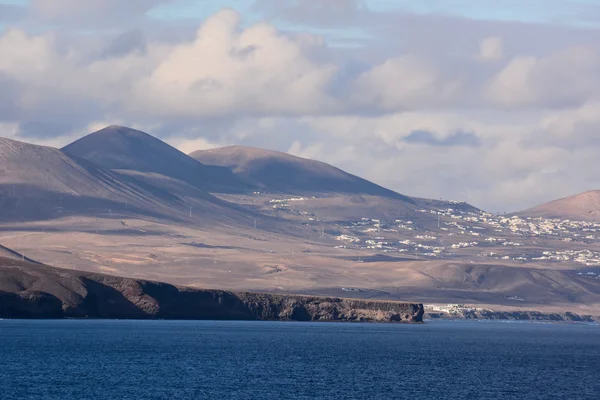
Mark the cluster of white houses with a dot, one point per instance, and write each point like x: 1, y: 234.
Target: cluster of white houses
x: 452, y: 232
x: 512, y: 238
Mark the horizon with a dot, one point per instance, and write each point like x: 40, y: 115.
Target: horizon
x: 495, y: 106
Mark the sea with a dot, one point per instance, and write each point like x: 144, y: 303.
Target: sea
x: 123, y: 359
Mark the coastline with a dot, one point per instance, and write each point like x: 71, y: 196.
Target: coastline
x: 29, y: 291
x: 472, y: 312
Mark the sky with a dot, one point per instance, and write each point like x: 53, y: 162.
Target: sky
x: 493, y: 102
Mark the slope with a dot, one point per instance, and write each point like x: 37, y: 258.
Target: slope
x: 39, y: 182
x: 584, y: 206
x: 279, y: 172
x: 125, y: 149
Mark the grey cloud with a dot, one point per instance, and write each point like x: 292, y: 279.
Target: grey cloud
x: 9, y: 90
x: 439, y: 34
x: 45, y: 128
x: 455, y: 139
x: 244, y: 52
x: 125, y: 43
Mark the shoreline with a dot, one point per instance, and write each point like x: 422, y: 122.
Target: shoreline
x: 480, y: 314
x: 43, y: 292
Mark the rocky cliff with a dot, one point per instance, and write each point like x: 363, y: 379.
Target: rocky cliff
x: 28, y: 290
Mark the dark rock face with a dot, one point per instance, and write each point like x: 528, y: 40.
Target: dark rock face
x: 38, y: 291
x: 30, y: 305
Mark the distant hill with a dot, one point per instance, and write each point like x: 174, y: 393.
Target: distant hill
x: 275, y: 171
x: 123, y: 170
x: 39, y: 182
x: 583, y: 206
x: 125, y: 149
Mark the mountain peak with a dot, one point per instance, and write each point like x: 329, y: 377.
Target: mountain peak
x: 124, y: 131
x: 121, y: 148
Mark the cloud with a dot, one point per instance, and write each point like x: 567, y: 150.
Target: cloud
x: 564, y: 79
x: 190, y: 145
x: 503, y: 115
x: 404, y: 82
x: 125, y: 43
x: 455, y: 139
x: 229, y: 69
x: 9, y: 130
x: 569, y: 129
x: 490, y: 49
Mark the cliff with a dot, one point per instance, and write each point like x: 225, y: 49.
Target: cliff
x: 30, y: 290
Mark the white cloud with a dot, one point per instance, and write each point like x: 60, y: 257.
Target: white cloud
x: 491, y: 49
x: 25, y: 57
x: 255, y: 70
x: 565, y: 78
x: 404, y: 82
x: 190, y: 145
x: 9, y: 130
x: 570, y: 129
x: 430, y: 121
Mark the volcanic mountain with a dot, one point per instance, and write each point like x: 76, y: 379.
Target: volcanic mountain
x: 130, y: 151
x: 39, y: 182
x: 279, y: 172
x: 583, y: 206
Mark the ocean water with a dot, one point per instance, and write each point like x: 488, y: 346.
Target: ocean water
x: 94, y: 359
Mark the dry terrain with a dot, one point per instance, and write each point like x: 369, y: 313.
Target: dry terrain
x: 121, y: 202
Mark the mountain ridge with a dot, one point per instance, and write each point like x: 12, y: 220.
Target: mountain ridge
x: 42, y: 182
x: 285, y: 173
x: 120, y: 148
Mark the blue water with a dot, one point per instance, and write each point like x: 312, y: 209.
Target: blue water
x: 276, y: 360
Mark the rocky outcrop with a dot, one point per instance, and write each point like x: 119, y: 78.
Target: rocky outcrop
x: 38, y: 291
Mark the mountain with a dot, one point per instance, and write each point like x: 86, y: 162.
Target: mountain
x: 583, y: 206
x: 279, y: 172
x: 126, y: 150
x: 39, y: 182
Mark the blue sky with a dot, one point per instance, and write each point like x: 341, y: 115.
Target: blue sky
x: 572, y: 12
x: 569, y: 12
x: 575, y: 13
